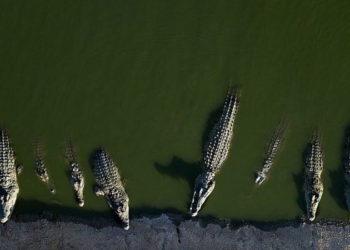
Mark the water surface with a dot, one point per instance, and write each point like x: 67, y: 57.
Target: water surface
x: 143, y: 78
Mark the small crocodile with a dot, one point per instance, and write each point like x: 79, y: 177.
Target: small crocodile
x: 215, y: 152
x: 313, y: 183
x: 110, y: 185
x: 271, y: 154
x: 8, y: 178
x: 347, y: 168
x: 40, y: 168
x: 77, y: 179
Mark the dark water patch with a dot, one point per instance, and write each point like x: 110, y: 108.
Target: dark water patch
x: 299, y: 184
x: 337, y: 187
x: 180, y: 169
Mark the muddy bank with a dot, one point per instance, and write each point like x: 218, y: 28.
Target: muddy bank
x: 162, y: 233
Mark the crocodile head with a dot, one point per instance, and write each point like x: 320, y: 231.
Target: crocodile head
x: 121, y: 209
x: 204, y: 186
x: 313, y: 199
x: 8, y: 199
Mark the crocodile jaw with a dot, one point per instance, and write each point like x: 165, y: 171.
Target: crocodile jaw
x: 7, y: 203
x: 123, y: 214
x: 260, y: 178
x: 203, y: 188
x: 120, y: 208
x: 313, y: 204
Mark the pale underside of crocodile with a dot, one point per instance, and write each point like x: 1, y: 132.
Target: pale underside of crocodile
x: 76, y: 174
x: 271, y: 154
x: 313, y: 183
x: 78, y: 183
x: 110, y: 185
x: 215, y: 152
x: 40, y: 168
x: 8, y: 178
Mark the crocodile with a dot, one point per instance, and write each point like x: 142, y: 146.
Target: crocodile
x: 347, y: 168
x: 313, y: 184
x: 40, y: 168
x: 77, y: 178
x: 271, y: 154
x: 109, y: 184
x: 8, y: 178
x: 215, y: 152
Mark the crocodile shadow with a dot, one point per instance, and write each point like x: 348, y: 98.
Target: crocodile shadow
x: 178, y: 168
x: 32, y: 210
x: 337, y: 176
x: 299, y: 183
x: 299, y: 180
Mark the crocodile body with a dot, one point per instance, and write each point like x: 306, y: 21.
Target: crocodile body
x: 40, y: 168
x: 76, y: 175
x: 347, y: 169
x: 215, y: 152
x: 110, y: 185
x: 8, y: 178
x: 271, y: 154
x: 313, y: 183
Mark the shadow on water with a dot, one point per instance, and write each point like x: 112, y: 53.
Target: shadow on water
x: 299, y: 180
x: 31, y: 210
x: 299, y: 183
x: 178, y: 168
x: 337, y: 176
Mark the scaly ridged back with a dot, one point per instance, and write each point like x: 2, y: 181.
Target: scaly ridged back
x: 218, y: 144
x: 314, y: 162
x: 7, y: 156
x: 105, y: 170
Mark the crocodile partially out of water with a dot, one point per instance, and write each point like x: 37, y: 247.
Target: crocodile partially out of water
x: 110, y: 185
x: 215, y: 152
x: 347, y: 168
x: 313, y: 183
x: 40, y: 168
x: 8, y: 178
x: 77, y: 178
x: 271, y: 154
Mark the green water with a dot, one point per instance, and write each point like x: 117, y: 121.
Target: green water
x: 141, y: 78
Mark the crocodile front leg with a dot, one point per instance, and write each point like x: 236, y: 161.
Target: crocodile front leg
x: 98, y: 191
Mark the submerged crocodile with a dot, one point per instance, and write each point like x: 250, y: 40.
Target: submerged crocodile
x: 347, y: 168
x: 110, y: 185
x: 77, y: 179
x: 8, y: 178
x: 215, y: 152
x: 313, y: 183
x: 40, y: 168
x: 271, y: 154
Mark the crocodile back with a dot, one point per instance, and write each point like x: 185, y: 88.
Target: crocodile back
x: 217, y: 147
x: 105, y: 170
x: 7, y: 157
x: 314, y: 162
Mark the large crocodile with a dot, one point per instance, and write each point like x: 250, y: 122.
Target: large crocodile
x: 215, y: 152
x: 313, y: 183
x: 271, y: 154
x: 8, y: 178
x: 110, y: 185
x: 77, y: 179
x: 40, y: 168
x: 347, y: 168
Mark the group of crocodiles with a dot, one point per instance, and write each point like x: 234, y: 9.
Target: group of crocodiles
x: 216, y: 149
x: 108, y: 180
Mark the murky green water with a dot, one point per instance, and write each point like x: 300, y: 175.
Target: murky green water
x: 142, y: 78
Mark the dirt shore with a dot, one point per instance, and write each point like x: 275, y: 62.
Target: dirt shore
x: 162, y: 233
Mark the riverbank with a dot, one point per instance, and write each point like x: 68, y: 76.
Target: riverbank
x: 164, y: 232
